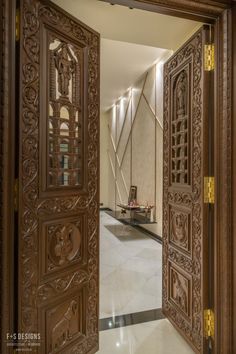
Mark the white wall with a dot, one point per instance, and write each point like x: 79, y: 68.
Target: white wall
x: 134, y: 145
x: 104, y: 163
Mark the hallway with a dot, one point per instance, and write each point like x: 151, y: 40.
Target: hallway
x: 130, y: 284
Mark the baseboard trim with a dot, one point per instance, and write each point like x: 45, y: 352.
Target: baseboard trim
x: 130, y: 319
x: 151, y: 234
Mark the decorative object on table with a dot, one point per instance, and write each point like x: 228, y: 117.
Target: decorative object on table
x: 132, y: 195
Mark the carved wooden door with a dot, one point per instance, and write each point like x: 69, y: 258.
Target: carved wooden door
x: 185, y: 230
x: 58, y: 180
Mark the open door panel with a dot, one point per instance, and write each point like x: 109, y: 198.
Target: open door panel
x: 186, y: 161
x: 58, y: 180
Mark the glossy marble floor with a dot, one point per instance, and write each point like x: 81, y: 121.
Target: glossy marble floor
x: 130, y: 282
x: 130, y: 269
x: 157, y: 337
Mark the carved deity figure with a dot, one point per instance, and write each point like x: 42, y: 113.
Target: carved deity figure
x: 181, y: 95
x: 65, y: 68
x: 179, y: 231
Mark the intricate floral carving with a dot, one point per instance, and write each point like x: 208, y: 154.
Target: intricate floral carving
x: 187, y: 196
x: 36, y: 205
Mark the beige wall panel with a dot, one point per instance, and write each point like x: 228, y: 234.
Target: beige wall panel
x: 159, y: 178
x: 121, y: 113
x: 159, y: 92
x: 111, y: 150
x: 125, y: 135
x: 136, y: 94
x: 104, y: 162
x: 111, y: 186
x: 126, y: 166
x: 118, y: 196
x: 112, y: 123
x: 122, y: 186
x: 143, y: 154
x: 141, y: 112
x: 149, y: 88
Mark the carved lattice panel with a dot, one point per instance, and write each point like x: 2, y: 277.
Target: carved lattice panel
x: 65, y: 146
x: 59, y: 178
x: 180, y: 126
x: 185, y: 147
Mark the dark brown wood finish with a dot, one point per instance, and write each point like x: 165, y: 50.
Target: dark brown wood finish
x: 208, y: 11
x: 58, y: 181
x: 7, y: 145
x: 185, y: 219
x: 204, y: 10
x: 234, y: 175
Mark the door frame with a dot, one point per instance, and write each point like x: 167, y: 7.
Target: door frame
x: 219, y: 13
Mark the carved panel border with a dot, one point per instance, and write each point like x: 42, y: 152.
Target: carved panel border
x: 7, y: 165
x: 33, y: 207
x: 191, y: 199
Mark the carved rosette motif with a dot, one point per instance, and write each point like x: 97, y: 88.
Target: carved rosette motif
x: 33, y: 207
x: 191, y: 199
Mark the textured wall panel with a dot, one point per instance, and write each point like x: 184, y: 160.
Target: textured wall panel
x: 149, y: 88
x: 143, y: 148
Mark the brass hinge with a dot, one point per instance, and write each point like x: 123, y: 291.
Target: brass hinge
x: 17, y: 25
x: 209, y: 190
x: 16, y: 194
x: 209, y: 324
x: 209, y: 57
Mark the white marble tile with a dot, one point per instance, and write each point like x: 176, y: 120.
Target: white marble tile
x: 127, y: 252
x: 111, y: 258
x: 153, y: 286
x: 130, y: 269
x: 105, y: 270
x: 125, y: 280
x: 114, y: 300
x: 142, y: 302
x: 157, y: 337
x: 149, y: 267
x: 153, y: 253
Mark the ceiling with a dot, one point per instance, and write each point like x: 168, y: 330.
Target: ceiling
x: 121, y: 64
x: 131, y: 41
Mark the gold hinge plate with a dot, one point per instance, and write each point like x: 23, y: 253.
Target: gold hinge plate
x: 209, y: 323
x: 17, y: 25
x: 209, y: 190
x: 16, y: 194
x: 209, y: 57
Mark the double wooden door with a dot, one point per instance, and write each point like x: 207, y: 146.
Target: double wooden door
x: 58, y: 230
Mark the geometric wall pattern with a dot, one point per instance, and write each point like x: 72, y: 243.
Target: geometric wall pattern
x: 135, y: 129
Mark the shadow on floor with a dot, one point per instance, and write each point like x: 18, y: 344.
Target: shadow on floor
x: 126, y: 232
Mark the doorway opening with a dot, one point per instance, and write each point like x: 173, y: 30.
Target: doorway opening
x: 131, y: 155
x: 62, y: 226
